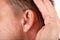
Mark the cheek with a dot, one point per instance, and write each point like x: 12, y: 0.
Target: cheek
x: 10, y: 28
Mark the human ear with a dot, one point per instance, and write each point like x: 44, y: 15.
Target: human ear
x: 28, y: 20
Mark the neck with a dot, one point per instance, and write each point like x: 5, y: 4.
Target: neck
x: 31, y: 34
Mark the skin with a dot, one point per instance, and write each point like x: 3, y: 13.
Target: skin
x: 10, y: 28
x: 27, y: 26
x: 52, y: 24
x: 16, y: 27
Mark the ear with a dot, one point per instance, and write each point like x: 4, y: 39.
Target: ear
x: 28, y: 21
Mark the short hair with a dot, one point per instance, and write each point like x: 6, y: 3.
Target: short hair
x: 25, y: 5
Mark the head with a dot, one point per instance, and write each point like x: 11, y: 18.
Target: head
x: 19, y: 20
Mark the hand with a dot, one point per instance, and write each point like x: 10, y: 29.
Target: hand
x: 52, y: 25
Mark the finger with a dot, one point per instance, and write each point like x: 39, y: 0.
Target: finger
x: 51, y: 9
x: 42, y: 8
x: 46, y: 10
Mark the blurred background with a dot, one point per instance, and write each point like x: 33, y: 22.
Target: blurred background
x: 57, y: 6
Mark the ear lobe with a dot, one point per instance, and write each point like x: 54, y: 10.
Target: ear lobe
x: 28, y: 20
